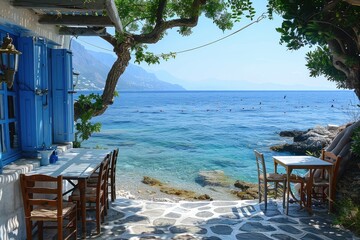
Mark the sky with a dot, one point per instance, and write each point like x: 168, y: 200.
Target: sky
x: 252, y: 59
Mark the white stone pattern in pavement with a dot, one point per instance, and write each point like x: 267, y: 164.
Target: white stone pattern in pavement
x: 213, y: 220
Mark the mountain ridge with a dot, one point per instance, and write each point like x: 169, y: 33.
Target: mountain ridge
x: 94, y: 67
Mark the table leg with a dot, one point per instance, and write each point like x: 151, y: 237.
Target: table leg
x: 82, y: 187
x: 288, y: 173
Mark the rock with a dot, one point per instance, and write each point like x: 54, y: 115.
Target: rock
x: 293, y: 133
x: 244, y: 185
x: 203, y: 197
x: 247, y: 190
x: 248, y: 195
x: 213, y: 178
x: 185, y: 194
x: 312, y: 140
x: 151, y: 181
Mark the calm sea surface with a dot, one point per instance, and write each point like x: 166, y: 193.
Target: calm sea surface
x: 173, y: 135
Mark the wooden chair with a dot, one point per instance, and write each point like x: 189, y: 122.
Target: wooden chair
x: 321, y: 183
x: 43, y: 202
x: 264, y: 179
x: 112, y: 174
x: 96, y: 195
x: 278, y: 180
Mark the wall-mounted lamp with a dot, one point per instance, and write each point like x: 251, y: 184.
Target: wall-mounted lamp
x: 75, y: 78
x: 9, y: 58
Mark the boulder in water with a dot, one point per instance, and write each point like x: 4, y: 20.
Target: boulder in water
x: 213, y: 178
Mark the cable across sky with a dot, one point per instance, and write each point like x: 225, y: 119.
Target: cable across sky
x: 261, y: 17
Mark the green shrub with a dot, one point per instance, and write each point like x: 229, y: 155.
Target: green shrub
x: 348, y: 215
x: 88, y: 105
x: 355, y: 145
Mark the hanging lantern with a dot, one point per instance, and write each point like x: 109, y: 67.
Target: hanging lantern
x: 9, y: 58
x: 75, y: 78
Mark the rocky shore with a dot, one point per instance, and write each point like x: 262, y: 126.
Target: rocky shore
x: 311, y: 140
x: 217, y: 183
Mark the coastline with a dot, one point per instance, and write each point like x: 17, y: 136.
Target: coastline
x: 136, y: 189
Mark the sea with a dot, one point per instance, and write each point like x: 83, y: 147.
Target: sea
x: 173, y: 136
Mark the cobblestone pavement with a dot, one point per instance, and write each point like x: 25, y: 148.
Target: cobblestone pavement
x: 213, y: 220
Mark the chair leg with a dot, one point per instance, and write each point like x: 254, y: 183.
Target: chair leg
x: 60, y: 224
x: 284, y: 193
x: 72, y: 224
x: 28, y: 229
x: 259, y: 193
x: 113, y: 193
x: 98, y: 217
x: 265, y: 196
x: 41, y: 230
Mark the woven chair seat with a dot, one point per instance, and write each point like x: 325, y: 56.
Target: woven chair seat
x: 274, y: 177
x: 90, y: 194
x: 282, y: 177
x: 50, y: 213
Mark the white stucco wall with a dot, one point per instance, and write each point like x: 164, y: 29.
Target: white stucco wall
x: 25, y: 22
x: 22, y: 22
x: 12, y: 218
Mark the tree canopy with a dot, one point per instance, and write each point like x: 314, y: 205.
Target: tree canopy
x: 332, y: 28
x: 146, y: 22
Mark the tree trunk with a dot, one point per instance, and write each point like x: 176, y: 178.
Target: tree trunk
x: 122, y: 51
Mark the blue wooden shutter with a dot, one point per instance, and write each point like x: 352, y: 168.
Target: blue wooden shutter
x: 35, y: 122
x: 63, y: 101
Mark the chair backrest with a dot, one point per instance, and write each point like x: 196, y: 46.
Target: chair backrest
x: 335, y: 160
x: 103, y: 175
x: 113, y: 163
x: 260, y: 163
x: 41, y: 191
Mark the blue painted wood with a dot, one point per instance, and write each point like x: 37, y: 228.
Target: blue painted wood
x: 9, y: 128
x: 35, y: 119
x: 63, y: 102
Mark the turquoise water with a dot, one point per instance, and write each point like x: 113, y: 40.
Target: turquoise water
x: 173, y: 135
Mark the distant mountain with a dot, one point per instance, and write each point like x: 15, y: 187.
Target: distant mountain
x: 94, y: 67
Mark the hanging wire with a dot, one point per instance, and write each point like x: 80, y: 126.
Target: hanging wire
x: 220, y: 39
x: 261, y: 17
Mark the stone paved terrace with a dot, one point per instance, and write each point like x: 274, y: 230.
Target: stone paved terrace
x: 135, y: 219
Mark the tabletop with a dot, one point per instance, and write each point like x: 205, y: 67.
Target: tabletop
x: 301, y: 161
x: 74, y: 163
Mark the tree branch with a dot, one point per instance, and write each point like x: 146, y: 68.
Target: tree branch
x: 109, y: 38
x: 334, y: 26
x: 161, y: 26
x: 338, y: 58
x: 160, y: 11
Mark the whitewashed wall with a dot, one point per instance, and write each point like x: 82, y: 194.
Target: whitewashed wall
x: 22, y: 22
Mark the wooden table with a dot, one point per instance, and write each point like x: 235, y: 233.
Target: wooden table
x: 76, y: 164
x: 304, y: 162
